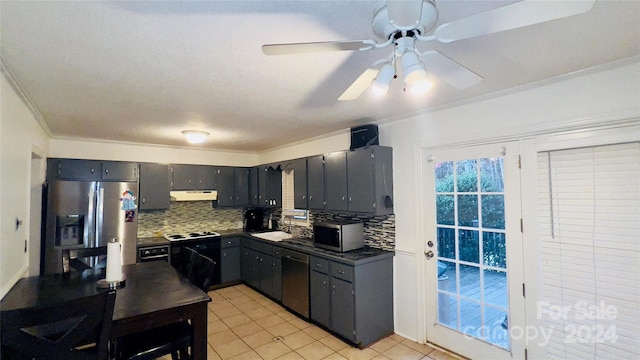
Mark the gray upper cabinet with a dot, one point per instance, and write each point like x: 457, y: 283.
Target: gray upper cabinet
x: 91, y: 170
x: 232, y: 185
x: 370, y: 180
x: 225, y: 181
x: 315, y: 182
x: 192, y: 177
x: 241, y: 186
x: 300, y: 183
x: 154, y: 186
x: 335, y: 171
x: 254, y: 186
x: 119, y: 170
x: 265, y: 186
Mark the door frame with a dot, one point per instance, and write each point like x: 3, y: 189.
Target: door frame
x: 515, y: 268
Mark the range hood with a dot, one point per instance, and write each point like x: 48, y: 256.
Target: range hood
x: 194, y: 195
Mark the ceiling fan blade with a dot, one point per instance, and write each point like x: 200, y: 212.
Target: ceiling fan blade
x: 360, y: 85
x: 404, y: 14
x: 449, y: 70
x: 513, y: 16
x: 299, y: 48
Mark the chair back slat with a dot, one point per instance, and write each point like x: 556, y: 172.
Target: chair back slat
x: 56, y: 331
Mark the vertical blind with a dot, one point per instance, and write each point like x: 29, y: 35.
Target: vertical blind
x: 589, y: 216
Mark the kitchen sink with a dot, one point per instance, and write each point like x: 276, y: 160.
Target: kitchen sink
x: 273, y: 235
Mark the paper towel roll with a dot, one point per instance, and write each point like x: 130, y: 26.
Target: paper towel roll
x: 114, y: 262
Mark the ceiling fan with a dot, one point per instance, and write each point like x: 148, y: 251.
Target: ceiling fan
x: 402, y: 23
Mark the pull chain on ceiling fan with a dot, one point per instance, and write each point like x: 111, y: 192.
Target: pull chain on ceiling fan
x: 403, y: 22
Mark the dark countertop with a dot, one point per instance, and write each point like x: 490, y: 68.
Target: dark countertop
x: 303, y: 245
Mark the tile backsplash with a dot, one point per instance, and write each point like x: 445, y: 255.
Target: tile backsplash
x: 188, y: 216
x: 379, y: 231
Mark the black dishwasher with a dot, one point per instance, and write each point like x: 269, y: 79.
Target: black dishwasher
x: 295, y: 282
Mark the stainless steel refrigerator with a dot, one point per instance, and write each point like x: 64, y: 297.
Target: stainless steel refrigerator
x: 88, y: 214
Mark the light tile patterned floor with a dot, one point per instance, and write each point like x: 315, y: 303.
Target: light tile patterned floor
x: 244, y: 324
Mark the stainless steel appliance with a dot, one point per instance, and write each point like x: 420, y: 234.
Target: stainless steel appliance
x: 295, y: 282
x: 153, y: 253
x: 88, y: 214
x: 338, y: 236
x: 206, y: 243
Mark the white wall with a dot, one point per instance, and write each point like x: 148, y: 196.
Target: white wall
x: 111, y: 150
x: 595, y: 98
x: 20, y: 136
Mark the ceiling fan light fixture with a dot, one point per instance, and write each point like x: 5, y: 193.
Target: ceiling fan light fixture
x: 195, y: 136
x: 380, y: 85
x: 416, y: 80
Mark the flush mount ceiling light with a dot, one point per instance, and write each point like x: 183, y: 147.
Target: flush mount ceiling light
x: 195, y: 136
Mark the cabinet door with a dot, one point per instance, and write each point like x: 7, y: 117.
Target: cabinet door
x: 249, y: 268
x: 319, y: 298
x: 225, y: 185
x: 184, y: 177
x: 315, y: 182
x: 342, y: 309
x: 154, y: 186
x: 241, y: 186
x: 274, y: 187
x: 360, y: 180
x: 254, y: 173
x: 300, y: 184
x: 206, y: 177
x: 230, y: 264
x: 335, y: 170
x: 119, y: 170
x: 276, y: 272
x: 263, y: 196
x: 72, y: 169
x: 266, y: 274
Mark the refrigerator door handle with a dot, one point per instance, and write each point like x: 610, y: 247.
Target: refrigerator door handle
x: 99, y: 215
x: 89, y: 227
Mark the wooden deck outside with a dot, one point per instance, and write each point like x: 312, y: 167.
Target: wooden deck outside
x: 495, y: 300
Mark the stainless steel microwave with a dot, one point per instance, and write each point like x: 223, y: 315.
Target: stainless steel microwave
x: 338, y: 236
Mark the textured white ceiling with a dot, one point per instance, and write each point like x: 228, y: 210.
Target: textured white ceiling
x: 144, y: 71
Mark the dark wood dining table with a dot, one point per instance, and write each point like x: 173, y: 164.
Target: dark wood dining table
x: 154, y: 295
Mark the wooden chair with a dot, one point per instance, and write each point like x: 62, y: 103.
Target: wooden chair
x: 71, y: 258
x: 173, y: 339
x: 73, y: 330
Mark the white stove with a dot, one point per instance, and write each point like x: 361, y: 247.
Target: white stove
x: 191, y: 236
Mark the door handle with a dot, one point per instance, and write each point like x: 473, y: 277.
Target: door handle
x: 429, y: 254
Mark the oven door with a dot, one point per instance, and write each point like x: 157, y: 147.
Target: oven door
x: 209, y: 247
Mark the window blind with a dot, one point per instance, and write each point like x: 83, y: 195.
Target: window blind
x: 589, y: 216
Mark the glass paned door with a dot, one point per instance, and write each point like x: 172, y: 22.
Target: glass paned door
x: 470, y: 225
x: 474, y: 219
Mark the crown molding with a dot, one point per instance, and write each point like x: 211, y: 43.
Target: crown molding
x: 22, y: 94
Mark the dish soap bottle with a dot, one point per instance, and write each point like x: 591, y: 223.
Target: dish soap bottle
x: 269, y: 222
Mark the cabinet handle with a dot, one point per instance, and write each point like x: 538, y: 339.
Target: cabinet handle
x: 340, y: 272
x: 144, y: 200
x: 310, y: 197
x: 106, y: 171
x: 304, y: 197
x: 343, y: 198
x: 92, y: 171
x: 324, y: 282
x: 350, y: 199
x: 318, y: 265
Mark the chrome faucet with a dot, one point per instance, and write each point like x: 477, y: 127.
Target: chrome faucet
x: 285, y: 220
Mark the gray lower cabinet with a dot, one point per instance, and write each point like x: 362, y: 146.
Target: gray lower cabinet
x: 262, y: 267
x: 355, y: 302
x: 154, y: 186
x: 230, y: 260
x: 250, y: 270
